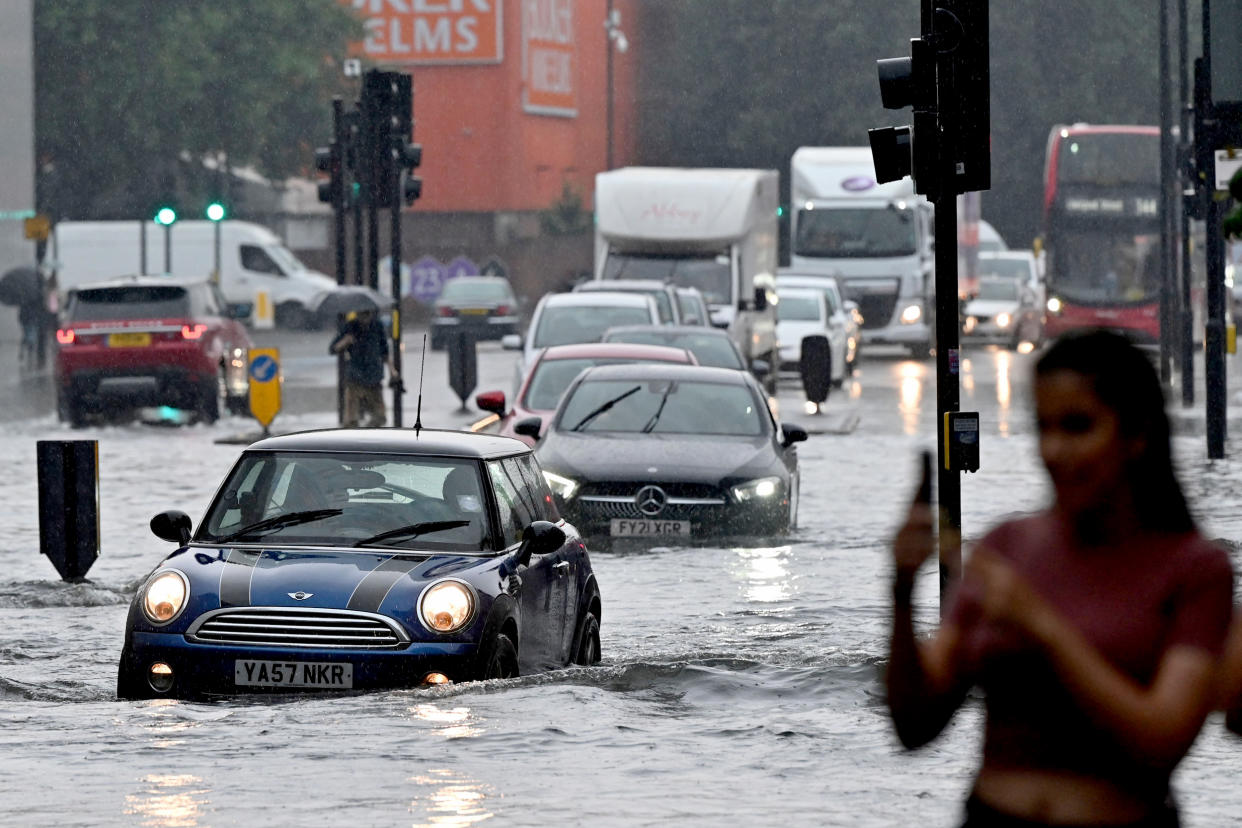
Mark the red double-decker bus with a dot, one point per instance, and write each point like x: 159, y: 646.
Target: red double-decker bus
x: 1102, y: 229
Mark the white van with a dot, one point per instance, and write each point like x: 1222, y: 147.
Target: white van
x: 253, y: 260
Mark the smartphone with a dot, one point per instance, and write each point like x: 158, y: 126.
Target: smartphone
x: 924, y: 494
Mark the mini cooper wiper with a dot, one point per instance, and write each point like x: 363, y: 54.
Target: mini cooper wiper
x: 414, y: 530
x: 280, y: 522
x: 609, y: 404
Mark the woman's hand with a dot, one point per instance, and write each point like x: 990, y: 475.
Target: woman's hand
x: 1005, y: 597
x: 915, y: 540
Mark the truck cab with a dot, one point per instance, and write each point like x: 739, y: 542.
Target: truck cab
x: 877, y: 239
x: 711, y: 229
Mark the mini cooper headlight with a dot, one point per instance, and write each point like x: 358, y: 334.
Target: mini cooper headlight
x: 760, y: 489
x: 446, y: 606
x: 164, y: 596
x: 562, y: 487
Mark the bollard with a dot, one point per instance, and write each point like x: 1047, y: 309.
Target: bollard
x: 263, y: 317
x: 69, y: 505
x: 816, y: 368
x: 463, y: 365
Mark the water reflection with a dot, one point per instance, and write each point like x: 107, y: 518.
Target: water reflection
x: 910, y: 390
x: 454, y: 723
x: 453, y: 800
x: 1004, y: 393
x: 765, y: 573
x: 169, y: 801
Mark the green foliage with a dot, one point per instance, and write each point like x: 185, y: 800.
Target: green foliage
x: 131, y: 93
x: 741, y: 83
x: 567, y: 216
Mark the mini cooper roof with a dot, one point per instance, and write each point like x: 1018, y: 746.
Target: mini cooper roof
x: 430, y: 442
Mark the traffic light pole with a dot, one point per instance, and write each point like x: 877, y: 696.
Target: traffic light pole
x: 338, y: 200
x: 398, y: 387
x: 1188, y: 312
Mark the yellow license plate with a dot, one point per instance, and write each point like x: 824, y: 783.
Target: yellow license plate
x: 128, y: 340
x: 473, y: 311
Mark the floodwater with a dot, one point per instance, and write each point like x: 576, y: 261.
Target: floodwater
x: 738, y: 686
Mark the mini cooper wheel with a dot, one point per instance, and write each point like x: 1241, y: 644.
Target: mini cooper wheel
x: 588, y: 642
x: 500, y: 659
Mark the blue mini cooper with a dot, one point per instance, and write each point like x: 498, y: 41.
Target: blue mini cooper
x: 360, y: 559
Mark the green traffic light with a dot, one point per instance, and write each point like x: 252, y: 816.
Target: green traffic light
x: 165, y: 216
x: 215, y: 211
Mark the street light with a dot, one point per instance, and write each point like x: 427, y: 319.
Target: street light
x: 619, y: 42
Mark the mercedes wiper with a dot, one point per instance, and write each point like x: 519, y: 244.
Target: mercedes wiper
x: 280, y: 522
x: 605, y: 407
x: 414, y: 530
x: 655, y: 418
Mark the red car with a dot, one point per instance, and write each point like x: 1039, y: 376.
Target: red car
x: 150, y: 341
x: 551, y: 373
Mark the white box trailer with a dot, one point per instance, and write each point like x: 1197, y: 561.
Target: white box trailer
x: 253, y: 260
x: 712, y: 229
x: 877, y: 239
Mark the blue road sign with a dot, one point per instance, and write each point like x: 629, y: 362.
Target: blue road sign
x: 426, y: 279
x: 263, y: 368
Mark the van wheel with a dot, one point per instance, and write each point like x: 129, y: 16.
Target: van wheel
x: 293, y: 316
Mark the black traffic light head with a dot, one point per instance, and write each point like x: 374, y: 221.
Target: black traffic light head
x: 896, y: 151
x: 961, y: 35
x: 891, y: 152
x: 896, y: 82
x: 328, y: 159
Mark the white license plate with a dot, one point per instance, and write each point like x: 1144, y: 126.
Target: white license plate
x: 333, y: 675
x: 627, y: 528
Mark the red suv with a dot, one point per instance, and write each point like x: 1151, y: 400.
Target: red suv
x: 151, y: 341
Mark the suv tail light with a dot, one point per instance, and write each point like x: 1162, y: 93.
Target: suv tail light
x: 64, y: 336
x: 444, y: 310
x: 502, y: 310
x: 194, y: 331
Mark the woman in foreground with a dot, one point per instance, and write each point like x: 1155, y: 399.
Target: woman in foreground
x: 1092, y: 627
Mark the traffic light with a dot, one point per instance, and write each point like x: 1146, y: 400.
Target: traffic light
x: 908, y: 150
x: 409, y: 156
x: 165, y: 216
x: 215, y: 211
x: 961, y: 31
x: 328, y: 159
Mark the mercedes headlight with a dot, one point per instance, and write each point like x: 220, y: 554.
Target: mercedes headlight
x: 1003, y: 320
x: 446, y: 606
x: 911, y: 314
x: 164, y: 596
x: 1054, y: 305
x: 562, y: 487
x: 761, y: 489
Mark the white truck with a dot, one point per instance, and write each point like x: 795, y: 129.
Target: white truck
x: 877, y: 239
x: 712, y: 229
x: 253, y: 260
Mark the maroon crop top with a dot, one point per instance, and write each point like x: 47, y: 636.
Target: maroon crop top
x: 1132, y: 602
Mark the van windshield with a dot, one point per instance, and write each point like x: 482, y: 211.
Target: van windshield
x: 711, y: 274
x: 855, y: 232
x: 288, y: 262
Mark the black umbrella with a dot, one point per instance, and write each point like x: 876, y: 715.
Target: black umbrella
x: 348, y: 299
x: 21, y: 286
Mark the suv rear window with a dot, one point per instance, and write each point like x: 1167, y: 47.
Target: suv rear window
x: 130, y: 302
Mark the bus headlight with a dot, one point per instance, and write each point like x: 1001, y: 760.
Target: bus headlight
x: 1054, y: 305
x: 164, y: 597
x: 911, y: 314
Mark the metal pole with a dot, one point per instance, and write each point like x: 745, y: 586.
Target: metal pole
x: 1213, y: 253
x: 215, y: 273
x: 1167, y: 173
x: 948, y: 352
x: 1188, y: 311
x: 395, y: 260
x: 168, y: 248
x: 608, y: 94
x: 142, y: 247
x: 357, y: 144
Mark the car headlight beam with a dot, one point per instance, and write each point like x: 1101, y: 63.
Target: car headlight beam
x: 446, y: 606
x: 760, y: 489
x: 1003, y: 320
x: 911, y: 314
x: 165, y: 596
x: 562, y: 487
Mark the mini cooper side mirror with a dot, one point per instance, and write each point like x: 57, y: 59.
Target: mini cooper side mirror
x: 529, y: 427
x: 173, y: 526
x: 791, y: 434
x: 540, y: 538
x: 493, y: 401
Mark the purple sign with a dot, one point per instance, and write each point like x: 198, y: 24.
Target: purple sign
x: 461, y: 266
x: 427, y: 278
x: 857, y: 184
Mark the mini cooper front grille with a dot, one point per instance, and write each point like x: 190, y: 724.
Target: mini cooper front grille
x: 290, y: 627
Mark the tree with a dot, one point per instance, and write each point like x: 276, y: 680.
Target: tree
x: 131, y: 95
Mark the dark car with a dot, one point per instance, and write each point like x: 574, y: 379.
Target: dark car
x: 710, y: 346
x: 551, y: 373
x: 151, y: 341
x: 483, y: 306
x: 659, y: 451
x: 360, y: 559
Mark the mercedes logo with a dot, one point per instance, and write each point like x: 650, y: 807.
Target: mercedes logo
x: 651, y: 500
x: 299, y: 596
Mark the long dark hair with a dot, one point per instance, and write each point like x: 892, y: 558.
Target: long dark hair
x: 1125, y: 380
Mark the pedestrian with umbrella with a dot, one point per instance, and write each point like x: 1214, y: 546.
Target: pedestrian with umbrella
x: 23, y: 287
x: 364, y: 345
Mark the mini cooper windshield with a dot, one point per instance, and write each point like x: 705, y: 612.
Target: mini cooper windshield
x: 319, y: 499
x: 663, y: 407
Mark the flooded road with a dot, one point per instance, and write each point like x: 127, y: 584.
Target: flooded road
x: 738, y: 684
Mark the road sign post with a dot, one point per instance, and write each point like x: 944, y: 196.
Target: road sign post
x: 265, y: 379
